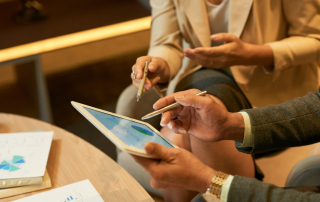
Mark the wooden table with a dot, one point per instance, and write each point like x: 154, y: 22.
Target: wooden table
x: 72, y: 159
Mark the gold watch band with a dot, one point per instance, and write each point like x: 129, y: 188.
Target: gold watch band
x: 216, y: 184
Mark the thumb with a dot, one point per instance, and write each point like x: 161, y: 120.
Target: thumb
x: 224, y: 37
x: 157, y: 150
x: 194, y: 101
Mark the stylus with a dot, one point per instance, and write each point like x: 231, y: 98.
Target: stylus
x: 143, y: 81
x: 164, y: 109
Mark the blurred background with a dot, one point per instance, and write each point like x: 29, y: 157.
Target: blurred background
x: 94, y: 70
x: 92, y: 73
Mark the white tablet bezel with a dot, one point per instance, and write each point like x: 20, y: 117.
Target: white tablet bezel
x: 113, y: 138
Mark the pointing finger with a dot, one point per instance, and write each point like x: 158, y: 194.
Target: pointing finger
x: 200, y: 102
x: 227, y: 37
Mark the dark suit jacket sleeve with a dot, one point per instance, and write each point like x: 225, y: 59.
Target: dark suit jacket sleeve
x: 290, y: 124
x: 245, y: 189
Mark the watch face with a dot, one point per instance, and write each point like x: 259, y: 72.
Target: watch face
x: 210, y: 198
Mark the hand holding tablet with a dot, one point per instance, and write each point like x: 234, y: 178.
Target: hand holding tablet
x: 127, y: 134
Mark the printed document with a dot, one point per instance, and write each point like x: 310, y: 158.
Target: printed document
x: 82, y: 191
x: 24, y: 155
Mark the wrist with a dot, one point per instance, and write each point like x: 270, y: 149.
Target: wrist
x: 260, y: 55
x: 165, y: 77
x: 235, y: 127
x: 206, y: 179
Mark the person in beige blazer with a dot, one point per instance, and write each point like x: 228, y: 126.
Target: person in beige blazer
x: 271, y: 48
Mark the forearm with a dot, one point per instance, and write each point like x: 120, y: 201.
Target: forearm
x: 302, y: 46
x: 279, y: 55
x: 251, y: 190
x: 295, y: 50
x: 293, y: 123
x: 166, y: 41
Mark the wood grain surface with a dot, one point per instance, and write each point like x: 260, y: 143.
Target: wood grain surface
x: 72, y: 159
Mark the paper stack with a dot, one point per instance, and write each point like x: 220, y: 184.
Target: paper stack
x: 23, y: 160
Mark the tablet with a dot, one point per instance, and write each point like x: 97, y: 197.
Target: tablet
x: 127, y: 134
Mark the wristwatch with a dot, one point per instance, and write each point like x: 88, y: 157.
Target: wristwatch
x: 213, y: 193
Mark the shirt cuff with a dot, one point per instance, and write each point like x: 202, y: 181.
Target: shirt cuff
x: 248, y: 136
x: 225, y: 189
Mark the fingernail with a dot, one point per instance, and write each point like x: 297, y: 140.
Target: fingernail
x: 180, y: 97
x: 182, y: 131
x: 151, y: 67
x: 215, y: 36
x: 169, y: 125
x: 162, y: 124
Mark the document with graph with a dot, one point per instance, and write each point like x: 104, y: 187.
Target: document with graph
x: 24, y: 155
x: 82, y: 191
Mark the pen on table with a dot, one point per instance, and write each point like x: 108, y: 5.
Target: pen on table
x: 143, y: 81
x: 164, y: 109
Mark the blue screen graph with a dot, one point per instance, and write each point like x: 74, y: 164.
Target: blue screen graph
x: 129, y: 132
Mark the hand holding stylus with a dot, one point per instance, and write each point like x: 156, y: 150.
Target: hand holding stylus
x: 164, y: 109
x: 199, y: 116
x: 158, y: 72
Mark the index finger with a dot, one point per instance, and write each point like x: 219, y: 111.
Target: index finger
x: 169, y: 99
x: 139, y: 66
x: 169, y: 115
x: 210, y: 51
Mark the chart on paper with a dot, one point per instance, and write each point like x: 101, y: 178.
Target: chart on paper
x: 72, y: 196
x: 12, y: 165
x: 82, y: 191
x: 24, y: 154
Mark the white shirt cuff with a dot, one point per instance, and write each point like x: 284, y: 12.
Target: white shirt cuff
x: 225, y: 189
x: 248, y: 136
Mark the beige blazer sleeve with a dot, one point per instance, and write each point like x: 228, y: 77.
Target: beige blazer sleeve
x: 166, y: 41
x: 302, y: 45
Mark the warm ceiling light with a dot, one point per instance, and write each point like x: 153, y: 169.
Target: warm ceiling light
x: 74, y: 39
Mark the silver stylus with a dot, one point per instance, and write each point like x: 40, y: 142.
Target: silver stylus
x: 143, y: 81
x: 164, y: 109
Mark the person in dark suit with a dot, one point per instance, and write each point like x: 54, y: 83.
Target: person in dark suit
x: 290, y: 124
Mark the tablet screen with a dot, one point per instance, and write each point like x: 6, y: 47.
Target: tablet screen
x: 129, y: 132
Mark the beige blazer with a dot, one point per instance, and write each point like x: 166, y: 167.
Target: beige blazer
x: 290, y: 27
